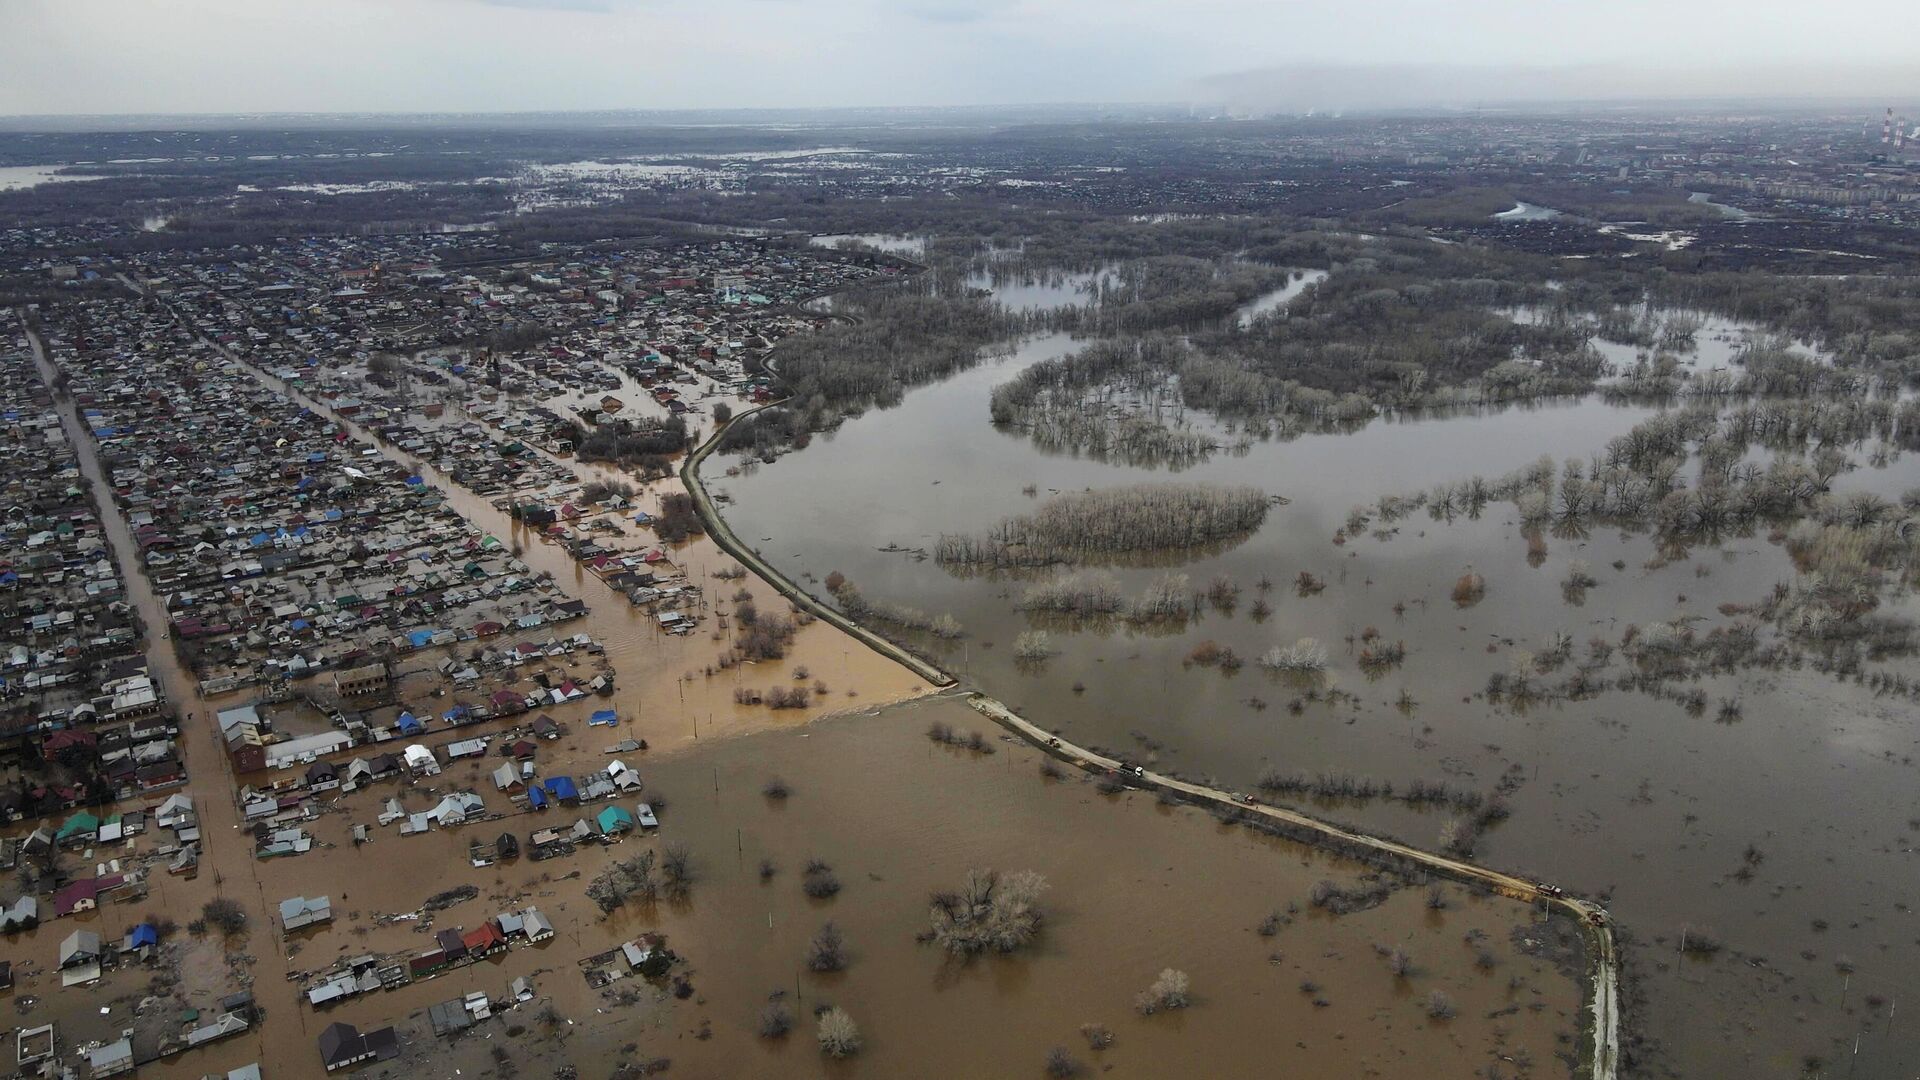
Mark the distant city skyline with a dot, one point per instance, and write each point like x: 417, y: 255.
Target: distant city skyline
x: 237, y: 56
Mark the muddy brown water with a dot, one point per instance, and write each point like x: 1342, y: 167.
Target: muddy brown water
x: 1134, y: 888
x: 1624, y: 797
x: 1622, y: 793
x: 655, y: 699
x: 655, y: 703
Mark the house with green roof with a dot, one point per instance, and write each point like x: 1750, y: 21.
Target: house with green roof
x: 614, y: 820
x: 81, y: 828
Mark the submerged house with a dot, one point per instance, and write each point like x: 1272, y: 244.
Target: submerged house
x: 342, y: 1045
x: 299, y: 911
x: 614, y: 821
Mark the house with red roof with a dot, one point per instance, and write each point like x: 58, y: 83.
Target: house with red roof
x: 79, y: 896
x: 485, y: 940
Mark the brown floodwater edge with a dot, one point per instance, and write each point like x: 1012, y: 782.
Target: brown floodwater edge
x: 1601, y: 1016
x: 1135, y: 886
x: 723, y: 536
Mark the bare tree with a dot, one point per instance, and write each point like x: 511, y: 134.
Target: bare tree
x: 988, y: 912
x: 839, y: 1035
x: 828, y: 949
x: 1170, y: 991
x: 775, y: 1019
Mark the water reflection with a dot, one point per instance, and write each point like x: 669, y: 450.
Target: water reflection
x: 1617, y: 794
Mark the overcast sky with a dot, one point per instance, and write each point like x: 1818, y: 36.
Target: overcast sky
x: 149, y: 56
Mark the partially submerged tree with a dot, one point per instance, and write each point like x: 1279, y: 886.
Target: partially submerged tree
x: 990, y: 911
x: 818, y: 880
x: 1304, y: 655
x: 828, y: 949
x: 1033, y: 645
x: 676, y: 871
x: 624, y: 879
x: 1170, y: 991
x: 839, y: 1035
x: 775, y: 1019
x: 225, y: 915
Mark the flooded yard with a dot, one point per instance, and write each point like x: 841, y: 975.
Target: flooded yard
x: 1133, y: 888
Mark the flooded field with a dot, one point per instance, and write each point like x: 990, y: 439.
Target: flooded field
x: 20, y: 177
x: 1677, y: 822
x: 1526, y: 211
x: 912, y: 247
x: 1139, y: 888
x: 1133, y: 888
x: 1278, y: 298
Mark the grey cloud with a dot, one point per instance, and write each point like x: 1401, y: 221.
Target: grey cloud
x: 1302, y: 87
x: 595, y: 6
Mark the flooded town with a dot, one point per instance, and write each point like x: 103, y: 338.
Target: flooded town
x: 1359, y: 586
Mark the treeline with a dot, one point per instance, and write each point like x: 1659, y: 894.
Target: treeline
x: 1397, y: 325
x: 631, y: 442
x: 1405, y: 324
x: 765, y: 433
x: 1407, y: 327
x: 1870, y: 323
x: 1140, y: 519
x: 1093, y: 596
x: 1169, y: 291
x: 1850, y: 547
x: 1078, y: 404
x: 906, y: 334
x: 856, y: 605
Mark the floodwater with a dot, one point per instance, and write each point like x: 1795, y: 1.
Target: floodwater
x: 664, y: 691
x: 912, y: 247
x: 1718, y: 343
x: 1526, y: 211
x: 21, y: 177
x: 1731, y: 213
x: 1028, y: 290
x: 1622, y: 796
x: 656, y: 701
x: 1134, y: 888
x: 1278, y: 298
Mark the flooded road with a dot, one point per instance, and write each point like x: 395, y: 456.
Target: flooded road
x: 1622, y: 797
x: 226, y: 854
x: 657, y: 701
x: 665, y: 692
